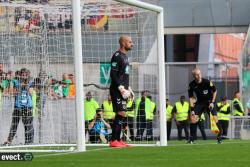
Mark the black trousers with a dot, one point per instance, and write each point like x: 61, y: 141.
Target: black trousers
x: 183, y: 125
x: 169, y: 126
x: 27, y: 119
x: 224, y: 127
x: 201, y: 126
x: 143, y: 124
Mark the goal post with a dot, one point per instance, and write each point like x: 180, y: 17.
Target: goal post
x: 65, y: 47
x: 161, y: 62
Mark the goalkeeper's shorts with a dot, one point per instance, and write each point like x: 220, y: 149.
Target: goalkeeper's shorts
x: 119, y: 104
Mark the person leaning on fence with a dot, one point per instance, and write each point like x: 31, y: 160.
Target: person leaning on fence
x: 238, y: 110
x: 169, y: 117
x: 181, y: 112
x: 223, y: 113
x: 98, y: 132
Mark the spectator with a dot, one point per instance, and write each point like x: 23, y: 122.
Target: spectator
x: 23, y: 89
x: 65, y: 85
x: 71, y: 86
x: 98, y: 128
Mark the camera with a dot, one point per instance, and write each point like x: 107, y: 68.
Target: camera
x: 98, y: 115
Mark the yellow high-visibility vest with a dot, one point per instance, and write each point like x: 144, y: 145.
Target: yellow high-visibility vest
x: 169, y: 112
x: 236, y: 112
x: 147, y: 107
x: 90, y: 109
x: 130, y: 113
x: 108, y: 110
x: 223, y: 116
x: 152, y: 108
x: 182, y: 111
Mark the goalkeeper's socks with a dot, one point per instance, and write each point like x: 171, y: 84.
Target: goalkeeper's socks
x: 117, y: 127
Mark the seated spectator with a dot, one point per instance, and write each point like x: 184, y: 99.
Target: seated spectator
x: 98, y: 128
x: 65, y: 85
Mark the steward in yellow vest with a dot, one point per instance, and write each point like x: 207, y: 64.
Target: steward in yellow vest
x: 238, y: 107
x: 181, y: 112
x: 223, y: 110
x: 107, y: 107
x: 169, y: 109
x: 238, y: 110
x: 130, y: 115
x: 142, y: 113
x: 223, y: 113
x: 149, y: 134
x: 90, y: 106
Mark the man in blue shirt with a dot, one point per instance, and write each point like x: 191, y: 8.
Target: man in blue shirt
x: 98, y: 128
x: 22, y: 89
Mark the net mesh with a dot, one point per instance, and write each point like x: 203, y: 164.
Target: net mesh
x: 36, y: 36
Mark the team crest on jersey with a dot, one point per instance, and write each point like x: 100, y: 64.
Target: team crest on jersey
x: 114, y: 64
x: 127, y: 70
x: 205, y: 92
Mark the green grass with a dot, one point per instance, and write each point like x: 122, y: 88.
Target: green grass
x: 203, y: 154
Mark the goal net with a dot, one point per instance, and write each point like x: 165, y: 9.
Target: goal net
x: 37, y: 73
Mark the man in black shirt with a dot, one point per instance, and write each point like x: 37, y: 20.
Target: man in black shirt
x: 119, y: 88
x: 205, y: 92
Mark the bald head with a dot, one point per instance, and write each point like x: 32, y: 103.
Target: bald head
x: 197, y: 75
x: 126, y: 43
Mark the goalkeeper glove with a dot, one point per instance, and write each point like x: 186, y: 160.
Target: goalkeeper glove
x: 125, y: 93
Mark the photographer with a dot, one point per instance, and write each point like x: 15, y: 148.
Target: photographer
x: 97, y: 132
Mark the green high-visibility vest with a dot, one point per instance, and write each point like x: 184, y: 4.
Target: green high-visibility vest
x: 236, y: 112
x: 223, y: 116
x: 182, y: 111
x: 108, y: 110
x: 152, y: 108
x: 130, y: 113
x: 90, y: 109
x: 169, y: 112
x: 147, y: 107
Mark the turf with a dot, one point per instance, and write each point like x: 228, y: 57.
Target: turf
x: 203, y: 154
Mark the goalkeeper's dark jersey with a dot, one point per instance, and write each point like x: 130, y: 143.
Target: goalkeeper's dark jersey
x: 119, y: 70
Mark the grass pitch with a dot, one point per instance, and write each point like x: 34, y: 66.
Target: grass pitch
x: 231, y: 153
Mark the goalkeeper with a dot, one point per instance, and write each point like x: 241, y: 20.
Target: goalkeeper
x: 119, y: 88
x: 205, y: 92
